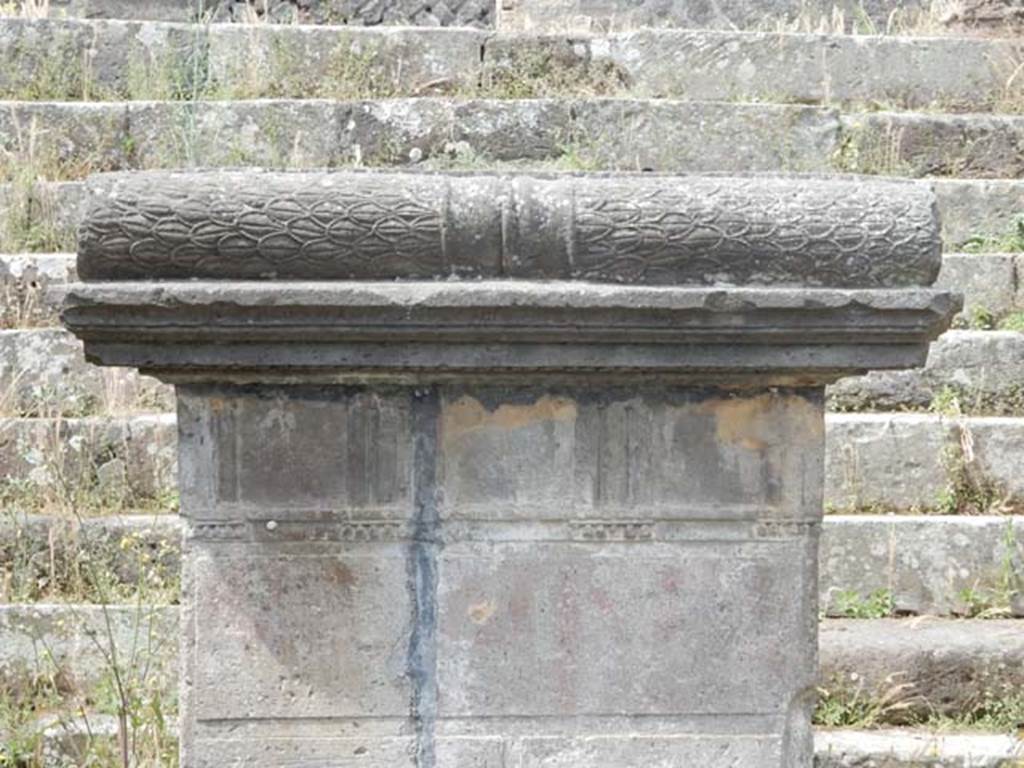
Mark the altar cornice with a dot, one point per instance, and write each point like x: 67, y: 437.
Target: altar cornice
x: 492, y: 328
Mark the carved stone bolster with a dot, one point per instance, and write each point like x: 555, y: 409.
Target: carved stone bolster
x: 654, y: 229
x: 526, y: 520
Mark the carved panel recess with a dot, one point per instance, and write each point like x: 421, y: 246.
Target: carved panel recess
x: 649, y: 229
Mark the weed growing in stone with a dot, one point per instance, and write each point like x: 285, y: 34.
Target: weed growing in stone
x: 63, y: 560
x: 119, y: 719
x: 867, y: 150
x: 997, y: 598
x: 1010, y: 242
x: 1014, y: 322
x: 849, y: 604
x: 846, y: 704
x: 535, y: 74
x: 26, y: 9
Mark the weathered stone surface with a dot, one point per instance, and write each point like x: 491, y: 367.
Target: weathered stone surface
x: 32, y: 287
x: 990, y: 282
x: 887, y: 460
x: 47, y: 451
x: 910, y: 749
x: 456, y: 13
x: 983, y: 208
x: 909, y: 144
x: 914, y: 461
x: 659, y: 135
x: 967, y: 207
x: 43, y: 373
x: 153, y: 60
x: 358, y: 554
x: 53, y: 59
x: 700, y: 65
x: 560, y: 16
x: 611, y: 134
x: 445, y: 13
x: 680, y: 331
x: 63, y: 642
x: 949, y: 667
x: 294, y: 61
x: 984, y: 370
x: 84, y: 136
x: 388, y: 485
x: 926, y: 563
x: 605, y: 228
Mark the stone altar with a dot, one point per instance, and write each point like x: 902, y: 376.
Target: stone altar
x: 502, y: 471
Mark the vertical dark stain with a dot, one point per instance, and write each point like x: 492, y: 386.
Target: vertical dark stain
x: 421, y: 663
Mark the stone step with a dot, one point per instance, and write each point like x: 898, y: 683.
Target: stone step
x: 992, y: 284
x: 978, y: 372
x: 981, y: 214
x: 87, y: 465
x: 870, y: 565
x: 72, y: 139
x: 922, y: 668
x: 912, y: 17
x: 43, y: 372
x: 64, y: 558
x: 907, y: 462
x: 915, y: 749
x: 474, y: 13
x: 923, y: 462
x: 31, y: 287
x: 74, y: 59
x: 846, y: 748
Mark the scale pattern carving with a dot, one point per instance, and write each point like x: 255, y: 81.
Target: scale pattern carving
x: 634, y: 229
x: 766, y: 231
x: 200, y: 229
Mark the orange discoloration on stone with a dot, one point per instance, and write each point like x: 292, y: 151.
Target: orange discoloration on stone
x: 468, y: 414
x: 754, y: 423
x: 480, y: 612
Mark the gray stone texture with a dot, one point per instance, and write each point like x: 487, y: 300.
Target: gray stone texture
x: 913, y: 749
x: 926, y: 563
x: 948, y: 668
x: 441, y: 520
x: 973, y: 209
x: 478, y: 13
x: 494, y: 611
x: 43, y: 373
x: 984, y: 370
x: 68, y: 453
x: 560, y: 16
x: 948, y: 74
x: 145, y: 60
x: 759, y: 335
x: 32, y: 286
x: 68, y: 642
x: 920, y: 144
x: 989, y: 282
x: 898, y: 461
x: 611, y: 134
x: 968, y: 208
x: 913, y: 461
x: 628, y: 229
